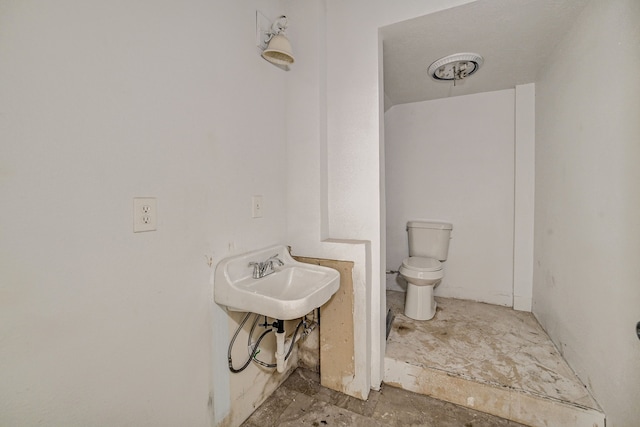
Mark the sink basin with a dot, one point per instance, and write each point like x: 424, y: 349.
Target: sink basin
x: 292, y: 291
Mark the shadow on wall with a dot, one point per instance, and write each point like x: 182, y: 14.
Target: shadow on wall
x: 397, y: 281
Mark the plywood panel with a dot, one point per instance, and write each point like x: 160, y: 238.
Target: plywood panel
x: 337, y: 366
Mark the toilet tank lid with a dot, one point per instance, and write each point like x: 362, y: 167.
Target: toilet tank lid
x: 430, y: 224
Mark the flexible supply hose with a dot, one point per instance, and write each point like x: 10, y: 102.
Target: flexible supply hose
x: 233, y: 340
x: 293, y: 339
x: 255, y: 349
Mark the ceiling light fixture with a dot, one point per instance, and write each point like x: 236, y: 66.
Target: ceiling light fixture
x: 455, y: 67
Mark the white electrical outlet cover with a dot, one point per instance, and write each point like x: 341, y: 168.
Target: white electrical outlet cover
x: 145, y: 214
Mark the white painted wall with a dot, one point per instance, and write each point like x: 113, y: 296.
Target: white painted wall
x: 353, y: 131
x: 101, y: 103
x: 307, y: 174
x: 453, y: 160
x: 524, y: 163
x: 587, y: 227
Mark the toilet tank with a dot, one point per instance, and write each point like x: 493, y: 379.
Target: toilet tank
x: 429, y: 239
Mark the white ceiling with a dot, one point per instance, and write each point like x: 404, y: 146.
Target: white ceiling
x: 514, y: 36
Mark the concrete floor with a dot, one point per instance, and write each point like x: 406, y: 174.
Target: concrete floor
x: 471, y: 360
x: 302, y: 401
x: 487, y: 357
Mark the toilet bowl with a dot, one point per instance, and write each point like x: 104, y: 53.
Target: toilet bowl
x: 428, y: 248
x: 422, y: 275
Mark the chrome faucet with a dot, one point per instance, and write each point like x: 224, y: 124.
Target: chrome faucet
x: 265, y: 268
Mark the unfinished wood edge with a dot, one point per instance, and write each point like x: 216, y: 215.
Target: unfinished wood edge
x: 337, y: 340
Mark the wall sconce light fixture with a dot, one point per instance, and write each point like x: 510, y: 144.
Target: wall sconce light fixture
x: 273, y: 42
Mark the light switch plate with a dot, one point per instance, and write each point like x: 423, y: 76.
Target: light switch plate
x: 256, y: 207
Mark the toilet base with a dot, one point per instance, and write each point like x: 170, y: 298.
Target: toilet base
x: 419, y: 302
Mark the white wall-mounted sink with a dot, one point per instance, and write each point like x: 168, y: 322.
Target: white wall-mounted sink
x: 292, y: 291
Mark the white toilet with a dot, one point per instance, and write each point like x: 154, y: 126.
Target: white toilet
x: 428, y: 246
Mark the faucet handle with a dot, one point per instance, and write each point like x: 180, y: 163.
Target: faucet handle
x: 256, y: 269
x: 274, y: 258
